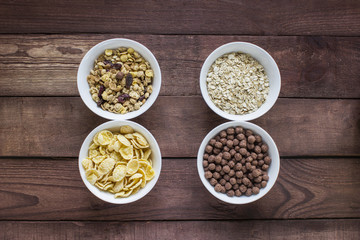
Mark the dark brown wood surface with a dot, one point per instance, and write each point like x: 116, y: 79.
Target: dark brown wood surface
x: 300, y: 127
x: 198, y: 230
x: 314, y: 17
x: 51, y: 189
x: 315, y: 122
x: 317, y: 67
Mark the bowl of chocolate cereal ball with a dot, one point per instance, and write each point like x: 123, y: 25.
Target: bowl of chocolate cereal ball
x: 119, y: 79
x: 240, y: 81
x: 238, y: 162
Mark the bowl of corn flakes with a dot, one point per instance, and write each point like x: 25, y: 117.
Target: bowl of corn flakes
x: 119, y: 79
x: 120, y: 161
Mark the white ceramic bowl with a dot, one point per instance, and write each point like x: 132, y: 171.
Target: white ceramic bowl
x: 155, y: 157
x: 273, y: 170
x: 87, y: 64
x: 263, y: 58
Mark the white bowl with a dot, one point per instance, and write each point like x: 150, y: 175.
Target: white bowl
x: 155, y: 157
x: 263, y: 58
x: 273, y: 170
x: 87, y: 64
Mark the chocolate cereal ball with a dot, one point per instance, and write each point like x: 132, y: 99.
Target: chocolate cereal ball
x: 248, y: 132
x: 223, y: 141
x: 243, y: 144
x: 258, y: 139
x: 216, y: 175
x: 212, y: 141
x: 255, y: 190
x: 216, y: 151
x: 237, y: 193
x: 211, y: 166
x: 239, y: 130
x: 226, y: 155
x: 267, y: 160
x: 218, y: 187
x: 239, y: 174
x: 243, y: 188
x: 226, y: 169
x: 228, y: 186
x: 208, y: 149
x: 251, y: 139
x: 220, y: 145
x: 218, y: 159
x: 248, y: 192
x: 230, y: 193
x: 211, y: 158
x: 208, y: 175
x: 230, y: 137
x: 223, y: 134
x: 240, y: 137
x: 213, y: 181
x: 205, y: 163
x: 222, y: 182
x: 257, y: 149
x: 243, y: 151
x: 264, y: 148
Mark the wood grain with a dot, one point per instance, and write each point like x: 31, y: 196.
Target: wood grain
x: 258, y: 229
x: 46, y: 65
x: 313, y: 17
x: 51, y: 189
x: 56, y: 127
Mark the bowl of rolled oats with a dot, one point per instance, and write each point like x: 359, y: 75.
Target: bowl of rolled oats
x: 119, y: 79
x: 240, y: 81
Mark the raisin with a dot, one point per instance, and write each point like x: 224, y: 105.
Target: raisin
x: 122, y: 98
x: 141, y: 98
x: 117, y: 66
x: 101, y: 90
x: 101, y: 101
x: 129, y: 80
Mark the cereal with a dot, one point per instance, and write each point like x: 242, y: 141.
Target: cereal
x: 121, y: 80
x: 117, y: 163
x: 237, y: 167
x: 237, y: 83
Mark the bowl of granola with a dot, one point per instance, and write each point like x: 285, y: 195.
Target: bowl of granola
x: 119, y: 79
x: 240, y: 81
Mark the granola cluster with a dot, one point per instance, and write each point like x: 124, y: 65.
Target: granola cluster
x: 121, y: 80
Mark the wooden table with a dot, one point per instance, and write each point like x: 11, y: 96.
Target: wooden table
x: 315, y: 122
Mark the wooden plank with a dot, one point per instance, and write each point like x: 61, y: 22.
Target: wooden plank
x: 56, y: 126
x: 51, y: 189
x: 317, y: 67
x: 313, y: 17
x: 286, y: 229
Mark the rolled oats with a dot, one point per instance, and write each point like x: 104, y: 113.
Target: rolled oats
x: 237, y: 83
x: 121, y: 80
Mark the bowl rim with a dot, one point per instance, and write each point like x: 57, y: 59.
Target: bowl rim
x: 240, y: 47
x: 274, y: 164
x: 100, y: 193
x: 127, y: 43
